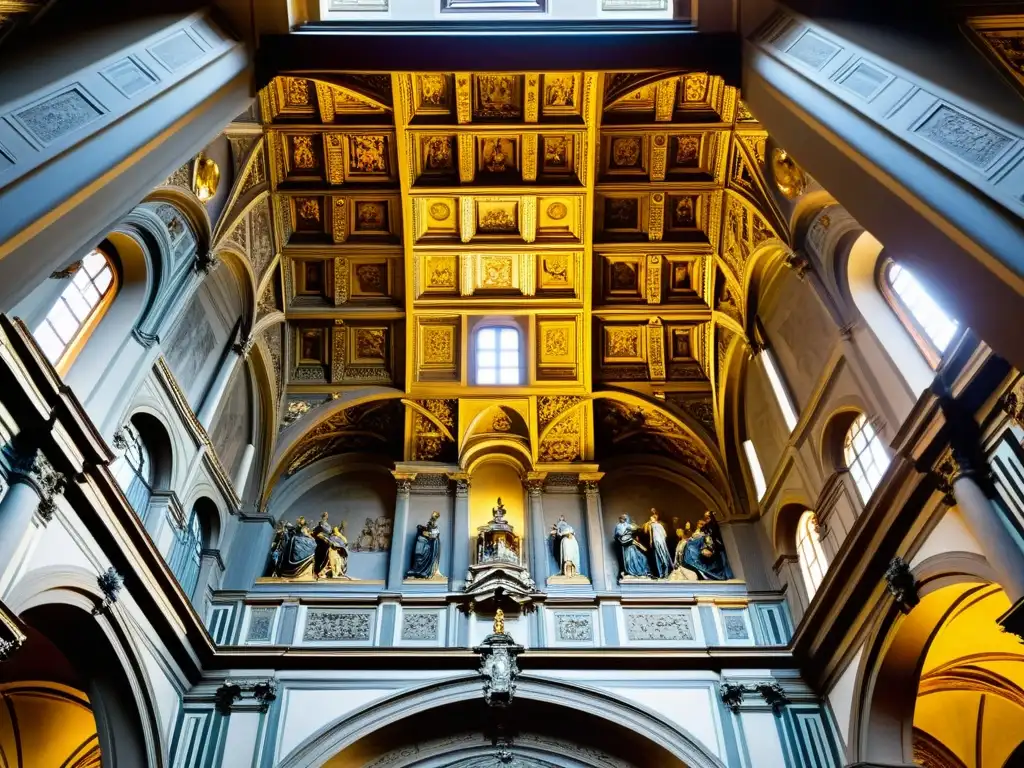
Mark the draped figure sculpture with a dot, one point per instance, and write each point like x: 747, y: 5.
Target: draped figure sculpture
x: 567, y: 547
x: 331, y: 554
x: 704, y: 551
x: 294, y: 549
x: 661, y: 560
x: 426, y: 551
x: 632, y: 552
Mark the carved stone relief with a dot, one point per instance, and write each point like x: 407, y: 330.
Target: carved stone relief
x: 420, y: 625
x: 330, y: 624
x: 659, y: 626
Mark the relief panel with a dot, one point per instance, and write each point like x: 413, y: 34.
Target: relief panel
x: 497, y: 96
x: 438, y: 348
x: 557, y: 348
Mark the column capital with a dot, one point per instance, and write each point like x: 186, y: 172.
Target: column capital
x: 461, y: 481
x: 534, y: 483
x: 245, y: 695
x: 33, y: 467
x: 589, y: 481
x: 966, y: 457
x: 404, y: 481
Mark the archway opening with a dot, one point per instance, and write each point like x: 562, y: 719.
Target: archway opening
x: 950, y: 688
x: 66, y: 695
x: 543, y: 735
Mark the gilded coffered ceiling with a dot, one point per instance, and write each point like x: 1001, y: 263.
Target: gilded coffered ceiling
x: 616, y: 219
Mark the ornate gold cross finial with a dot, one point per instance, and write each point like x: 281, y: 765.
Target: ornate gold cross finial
x: 499, y: 622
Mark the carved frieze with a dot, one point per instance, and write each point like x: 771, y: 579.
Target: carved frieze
x: 675, y: 626
x: 420, y: 626
x: 328, y: 624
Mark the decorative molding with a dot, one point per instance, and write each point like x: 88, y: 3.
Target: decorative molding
x: 771, y: 692
x: 110, y: 583
x: 241, y: 695
x: 899, y: 581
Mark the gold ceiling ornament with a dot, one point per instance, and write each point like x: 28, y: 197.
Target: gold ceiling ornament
x: 205, y: 178
x: 789, y: 177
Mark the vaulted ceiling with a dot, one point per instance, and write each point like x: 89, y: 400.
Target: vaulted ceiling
x: 618, y: 219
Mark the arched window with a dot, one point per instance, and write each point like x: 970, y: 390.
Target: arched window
x: 187, y: 554
x: 931, y: 327
x: 808, y: 548
x: 498, y: 355
x: 134, y: 469
x: 865, y: 457
x: 78, y: 310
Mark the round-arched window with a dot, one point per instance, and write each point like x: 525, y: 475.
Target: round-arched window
x: 929, y: 325
x: 78, y: 310
x: 865, y: 456
x: 808, y: 549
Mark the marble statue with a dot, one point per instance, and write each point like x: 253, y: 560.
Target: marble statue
x: 661, y: 560
x: 296, y: 550
x: 426, y: 551
x: 704, y: 551
x: 680, y: 570
x: 568, y: 547
x: 632, y: 552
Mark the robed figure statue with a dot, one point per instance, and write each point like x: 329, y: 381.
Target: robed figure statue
x: 426, y: 550
x: 634, y: 562
x: 293, y: 550
x: 567, y: 547
x: 704, y: 551
x: 661, y: 559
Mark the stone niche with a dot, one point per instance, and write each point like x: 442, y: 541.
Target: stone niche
x: 365, y: 502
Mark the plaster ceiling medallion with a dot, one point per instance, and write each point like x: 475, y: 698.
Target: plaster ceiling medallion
x: 789, y: 177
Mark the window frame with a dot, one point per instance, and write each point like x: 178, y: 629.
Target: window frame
x: 807, y: 534
x: 780, y: 388
x: 498, y: 326
x: 87, y: 326
x: 756, y: 470
x: 859, y: 425
x: 932, y: 354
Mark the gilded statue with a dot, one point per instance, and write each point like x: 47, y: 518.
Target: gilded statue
x: 499, y: 622
x: 331, y: 552
x: 293, y: 550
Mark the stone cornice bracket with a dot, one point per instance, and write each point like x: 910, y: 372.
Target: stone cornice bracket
x: 110, y: 583
x: 899, y: 581
x: 798, y: 262
x: 68, y: 271
x: 145, y: 339
x: 243, y: 347
x: 1013, y: 620
x: 245, y: 696
x: 205, y: 263
x: 771, y: 692
x: 34, y: 468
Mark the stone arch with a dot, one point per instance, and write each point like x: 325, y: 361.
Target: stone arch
x: 785, y: 525
x: 598, y: 709
x: 887, y: 684
x: 59, y: 602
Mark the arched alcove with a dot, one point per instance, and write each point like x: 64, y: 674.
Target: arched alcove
x: 358, y: 494
x: 85, y: 662
x: 446, y: 723
x: 945, y: 677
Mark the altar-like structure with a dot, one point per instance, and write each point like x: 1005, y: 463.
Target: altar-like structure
x: 497, y: 578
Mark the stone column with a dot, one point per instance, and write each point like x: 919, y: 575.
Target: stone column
x: 538, y: 533
x: 967, y: 480
x: 400, y: 531
x: 211, y: 402
x: 460, y: 532
x: 34, y: 486
x: 596, y: 544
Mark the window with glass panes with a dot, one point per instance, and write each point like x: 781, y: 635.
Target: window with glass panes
x: 498, y: 358
x: 919, y: 310
x: 808, y: 548
x: 865, y: 456
x: 77, y: 307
